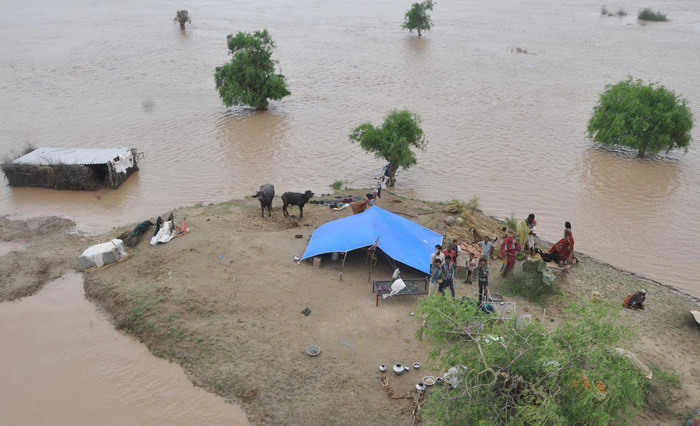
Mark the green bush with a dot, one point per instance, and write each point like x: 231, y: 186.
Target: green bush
x: 649, y: 15
x: 337, y: 185
x: 474, y: 203
x: 524, y: 375
x: 511, y: 221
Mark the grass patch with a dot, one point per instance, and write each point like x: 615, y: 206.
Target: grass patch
x: 662, y: 390
x: 511, y: 221
x: 649, y: 15
x: 337, y: 185
x: 474, y: 203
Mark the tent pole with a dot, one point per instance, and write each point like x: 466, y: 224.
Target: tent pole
x: 342, y: 267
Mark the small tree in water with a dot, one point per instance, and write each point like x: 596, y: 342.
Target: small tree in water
x: 644, y: 117
x: 182, y: 17
x: 417, y: 17
x: 393, y: 140
x: 250, y: 79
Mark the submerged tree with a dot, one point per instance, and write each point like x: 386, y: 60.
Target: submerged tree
x: 645, y: 117
x: 182, y: 17
x: 250, y: 79
x: 417, y: 17
x: 392, y: 140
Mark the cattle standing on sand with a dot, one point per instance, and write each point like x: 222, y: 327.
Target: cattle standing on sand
x: 265, y: 195
x: 295, y: 199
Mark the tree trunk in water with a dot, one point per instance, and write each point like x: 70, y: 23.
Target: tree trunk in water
x: 419, y: 34
x: 263, y: 105
x: 392, y: 175
x: 182, y: 25
x: 642, y: 150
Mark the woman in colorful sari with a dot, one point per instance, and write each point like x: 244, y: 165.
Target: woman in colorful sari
x: 565, y: 246
x: 509, y: 249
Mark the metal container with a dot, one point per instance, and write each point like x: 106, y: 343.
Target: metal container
x: 398, y: 369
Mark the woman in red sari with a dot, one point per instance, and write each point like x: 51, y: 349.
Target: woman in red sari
x: 509, y: 249
x: 565, y: 246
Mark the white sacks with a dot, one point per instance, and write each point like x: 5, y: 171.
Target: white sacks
x: 101, y: 254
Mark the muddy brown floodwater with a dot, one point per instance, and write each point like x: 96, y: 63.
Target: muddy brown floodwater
x: 507, y: 127
x: 62, y: 363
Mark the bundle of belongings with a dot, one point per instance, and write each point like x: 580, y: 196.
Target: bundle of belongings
x: 396, y: 286
x: 101, y: 254
x: 636, y: 300
x: 166, y: 231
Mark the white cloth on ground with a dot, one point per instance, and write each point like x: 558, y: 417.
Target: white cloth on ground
x: 165, y: 234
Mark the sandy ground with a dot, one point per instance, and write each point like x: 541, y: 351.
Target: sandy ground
x: 225, y: 302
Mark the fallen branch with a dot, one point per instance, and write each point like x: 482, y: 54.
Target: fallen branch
x: 390, y: 392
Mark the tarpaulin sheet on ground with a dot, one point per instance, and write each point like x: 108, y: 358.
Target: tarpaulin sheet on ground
x: 401, y: 239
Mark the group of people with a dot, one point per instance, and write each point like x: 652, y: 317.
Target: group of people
x: 442, y: 262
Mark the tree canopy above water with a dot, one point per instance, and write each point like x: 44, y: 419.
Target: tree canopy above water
x: 250, y: 78
x: 182, y: 17
x: 393, y: 140
x: 646, y: 117
x: 417, y: 17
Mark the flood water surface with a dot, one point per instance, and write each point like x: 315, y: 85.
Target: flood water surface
x: 507, y: 127
x: 62, y: 363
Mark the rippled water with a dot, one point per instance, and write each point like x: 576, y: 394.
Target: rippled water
x: 505, y: 126
x: 62, y: 363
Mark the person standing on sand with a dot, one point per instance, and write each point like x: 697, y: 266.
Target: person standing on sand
x: 530, y: 240
x: 483, y: 279
x: 472, y: 264
x: 435, y: 256
x: 509, y: 249
x: 486, y: 247
x: 448, y: 278
x: 436, y: 276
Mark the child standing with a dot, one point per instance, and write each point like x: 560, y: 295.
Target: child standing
x: 471, y: 266
x: 436, y: 276
x: 483, y: 279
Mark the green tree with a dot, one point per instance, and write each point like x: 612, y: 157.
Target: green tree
x: 417, y: 17
x: 182, y: 17
x: 249, y: 78
x: 645, y: 117
x: 524, y: 375
x: 392, y: 140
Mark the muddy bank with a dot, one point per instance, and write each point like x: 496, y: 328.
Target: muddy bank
x: 225, y: 301
x: 34, y: 252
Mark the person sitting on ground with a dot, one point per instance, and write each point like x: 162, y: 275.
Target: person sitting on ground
x: 483, y: 279
x: 635, y: 301
x: 486, y: 247
x: 436, y: 276
x: 472, y: 264
x: 437, y: 255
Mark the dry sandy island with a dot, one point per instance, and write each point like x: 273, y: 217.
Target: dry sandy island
x: 225, y: 302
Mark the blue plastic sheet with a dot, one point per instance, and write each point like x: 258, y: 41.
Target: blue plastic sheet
x: 401, y: 239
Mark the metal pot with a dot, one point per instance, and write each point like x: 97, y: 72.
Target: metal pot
x: 382, y: 368
x: 398, y: 369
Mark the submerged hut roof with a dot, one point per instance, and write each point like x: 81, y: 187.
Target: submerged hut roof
x: 47, y: 156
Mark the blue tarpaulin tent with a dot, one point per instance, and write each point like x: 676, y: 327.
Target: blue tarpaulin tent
x: 401, y: 239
